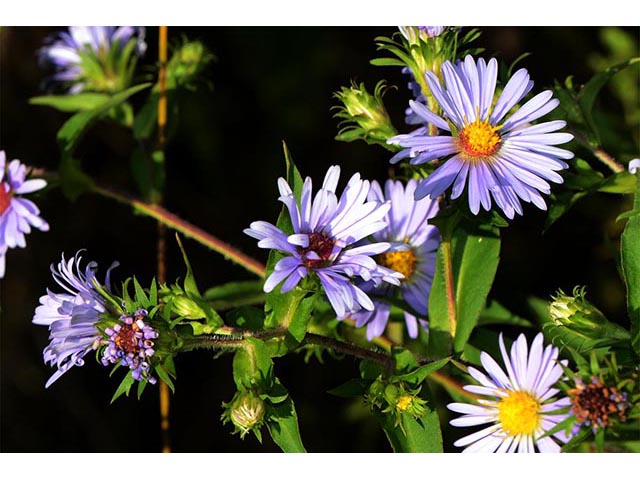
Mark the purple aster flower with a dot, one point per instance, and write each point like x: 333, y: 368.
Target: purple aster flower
x: 131, y: 344
x: 72, y: 316
x: 325, y: 230
x: 65, y: 50
x: 520, y: 407
x: 501, y: 155
x: 17, y: 214
x: 414, y: 243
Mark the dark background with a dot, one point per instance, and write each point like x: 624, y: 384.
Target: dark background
x: 269, y: 85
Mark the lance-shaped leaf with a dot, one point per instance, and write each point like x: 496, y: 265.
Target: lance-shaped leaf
x: 72, y: 103
x: 474, y: 261
x: 77, y: 125
x: 630, y: 260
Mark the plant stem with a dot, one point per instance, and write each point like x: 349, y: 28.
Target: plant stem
x: 165, y: 400
x: 449, y: 285
x: 187, y: 229
x: 608, y: 160
x: 349, y: 349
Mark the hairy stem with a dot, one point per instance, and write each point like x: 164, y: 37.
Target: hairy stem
x: 187, y: 229
x: 608, y: 160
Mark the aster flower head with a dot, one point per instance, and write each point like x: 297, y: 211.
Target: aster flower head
x: 17, y: 214
x: 597, y: 405
x: 94, y: 58
x: 131, y: 344
x: 326, y: 229
x: 414, y: 243
x: 72, y: 316
x: 521, y: 406
x: 499, y: 154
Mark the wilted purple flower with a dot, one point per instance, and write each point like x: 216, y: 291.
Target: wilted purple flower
x: 504, y: 157
x: 131, y: 344
x: 414, y: 243
x: 521, y: 405
x: 325, y: 230
x: 17, y: 214
x: 72, y: 316
x: 66, y: 49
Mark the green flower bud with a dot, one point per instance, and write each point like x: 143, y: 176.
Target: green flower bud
x: 187, y: 62
x: 245, y: 411
x: 576, y: 314
x: 365, y: 116
x: 183, y: 306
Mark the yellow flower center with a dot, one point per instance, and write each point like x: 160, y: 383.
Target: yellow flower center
x: 403, y: 262
x: 479, y: 140
x: 403, y: 403
x: 519, y: 413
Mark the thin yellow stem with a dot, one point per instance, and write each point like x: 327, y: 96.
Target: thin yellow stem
x: 165, y: 399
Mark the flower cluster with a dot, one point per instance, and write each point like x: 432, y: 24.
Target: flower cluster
x: 414, y: 243
x: 72, y: 316
x: 17, y: 214
x: 501, y: 155
x: 521, y: 407
x: 325, y: 231
x: 131, y: 344
x: 94, y: 58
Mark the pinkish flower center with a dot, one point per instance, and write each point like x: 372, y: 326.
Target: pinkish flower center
x: 322, y: 246
x: 5, y: 198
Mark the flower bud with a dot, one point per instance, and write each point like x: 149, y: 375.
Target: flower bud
x: 187, y: 308
x: 245, y: 411
x: 576, y: 314
x: 365, y: 116
x: 187, y: 63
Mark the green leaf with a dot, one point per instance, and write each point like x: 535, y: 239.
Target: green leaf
x: 71, y: 103
x: 418, y: 376
x: 474, y: 256
x: 588, y: 94
x: 283, y: 427
x: 125, y: 386
x: 421, y: 435
x: 190, y: 285
x: 387, y: 62
x: 141, y: 297
x: 235, y: 294
x: 630, y: 261
x: 252, y: 366
x: 77, y: 125
x: 164, y: 375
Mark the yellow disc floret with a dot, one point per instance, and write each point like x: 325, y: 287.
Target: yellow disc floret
x: 519, y: 413
x: 404, y: 402
x: 479, y: 140
x: 403, y: 262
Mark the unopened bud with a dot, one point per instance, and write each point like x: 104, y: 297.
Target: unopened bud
x: 187, y: 308
x: 578, y: 315
x: 187, y: 62
x: 364, y: 115
x: 246, y: 412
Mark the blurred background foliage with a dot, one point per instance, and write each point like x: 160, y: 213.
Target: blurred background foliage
x: 267, y: 84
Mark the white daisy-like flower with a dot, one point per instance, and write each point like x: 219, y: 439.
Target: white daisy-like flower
x: 521, y: 405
